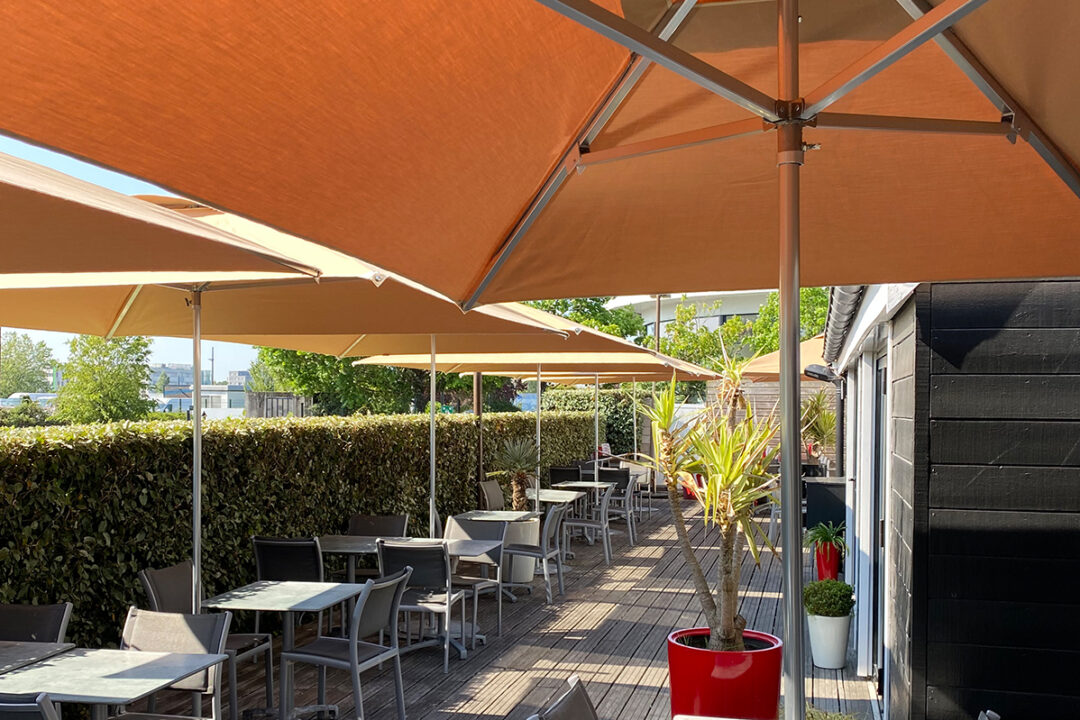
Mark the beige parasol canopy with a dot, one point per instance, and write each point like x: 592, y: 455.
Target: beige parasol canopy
x: 568, y: 362
x: 370, y: 147
x: 767, y: 367
x: 61, y: 231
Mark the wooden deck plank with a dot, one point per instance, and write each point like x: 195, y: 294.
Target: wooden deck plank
x: 610, y: 629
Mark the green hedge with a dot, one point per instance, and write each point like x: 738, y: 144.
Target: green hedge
x: 616, y: 412
x: 85, y: 507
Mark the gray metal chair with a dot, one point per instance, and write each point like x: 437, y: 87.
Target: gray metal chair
x: 30, y: 706
x: 598, y: 524
x: 171, y: 590
x: 472, y: 585
x: 430, y: 590
x: 564, y: 474
x: 493, y: 495
x: 574, y: 704
x: 375, y: 613
x: 549, y: 548
x: 298, y: 559
x: 622, y: 501
x: 149, y: 631
x: 34, y: 623
x: 379, y: 525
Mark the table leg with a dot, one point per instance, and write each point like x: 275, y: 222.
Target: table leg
x: 288, y: 643
x: 99, y: 712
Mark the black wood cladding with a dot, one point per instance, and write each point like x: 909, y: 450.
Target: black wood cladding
x: 1001, y: 482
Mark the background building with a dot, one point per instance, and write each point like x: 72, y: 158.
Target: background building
x: 744, y: 303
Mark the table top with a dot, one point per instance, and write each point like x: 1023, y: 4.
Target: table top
x: 583, y: 485
x: 555, y: 496
x: 105, y: 677
x: 16, y: 654
x: 499, y: 515
x: 285, y: 596
x: 365, y: 545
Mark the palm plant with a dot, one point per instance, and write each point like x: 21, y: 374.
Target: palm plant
x: 819, y: 422
x: 733, y: 458
x: 516, y: 458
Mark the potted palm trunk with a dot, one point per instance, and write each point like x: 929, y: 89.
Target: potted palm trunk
x: 828, y: 616
x: 516, y: 460
x: 721, y: 669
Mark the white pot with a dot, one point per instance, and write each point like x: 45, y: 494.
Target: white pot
x: 521, y: 569
x: 829, y: 640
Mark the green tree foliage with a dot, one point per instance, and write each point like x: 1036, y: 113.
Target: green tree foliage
x: 616, y: 412
x: 24, y: 365
x: 688, y: 339
x: 263, y: 379
x: 27, y: 414
x: 162, y: 382
x: 106, y: 380
x: 763, y: 335
x: 340, y: 388
x: 591, y: 312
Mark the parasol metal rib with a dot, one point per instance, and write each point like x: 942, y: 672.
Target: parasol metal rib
x: 678, y: 141
x: 924, y: 28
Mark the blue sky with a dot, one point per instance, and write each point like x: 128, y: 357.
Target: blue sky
x: 228, y: 356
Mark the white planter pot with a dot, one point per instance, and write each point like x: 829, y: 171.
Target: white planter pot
x: 521, y: 569
x: 829, y: 640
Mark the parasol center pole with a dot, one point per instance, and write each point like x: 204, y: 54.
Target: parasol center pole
x: 596, y: 429
x: 196, y: 449
x: 539, y: 396
x: 432, y: 522
x: 789, y: 159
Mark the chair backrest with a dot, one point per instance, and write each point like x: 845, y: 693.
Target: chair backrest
x: 574, y: 704
x: 459, y: 529
x: 493, y: 495
x: 429, y: 560
x: 170, y: 589
x: 377, y: 607
x: 619, y: 476
x: 605, y: 503
x: 34, y: 623
x: 565, y: 474
x: 379, y: 525
x: 150, y: 631
x: 583, y: 464
x: 28, y: 706
x: 549, y: 534
x: 288, y: 559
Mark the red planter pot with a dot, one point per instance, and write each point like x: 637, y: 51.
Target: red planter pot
x: 827, y: 558
x: 725, y: 684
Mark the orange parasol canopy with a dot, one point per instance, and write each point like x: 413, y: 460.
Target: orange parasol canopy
x: 429, y: 148
x: 767, y: 367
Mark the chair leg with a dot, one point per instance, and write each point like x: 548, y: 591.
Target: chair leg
x: 547, y: 578
x: 606, y: 537
x: 559, y: 571
x: 475, y: 607
x: 446, y: 640
x: 399, y: 688
x: 234, y: 695
x: 357, y: 697
x: 498, y: 596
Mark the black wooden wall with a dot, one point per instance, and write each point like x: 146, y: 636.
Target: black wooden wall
x: 901, y: 514
x: 995, y: 527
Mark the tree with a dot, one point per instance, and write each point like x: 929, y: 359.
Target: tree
x: 24, y: 365
x: 763, y: 334
x: 340, y: 388
x: 263, y: 379
x: 106, y: 380
x: 162, y: 382
x: 592, y: 312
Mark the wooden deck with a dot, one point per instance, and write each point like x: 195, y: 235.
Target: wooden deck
x: 609, y: 628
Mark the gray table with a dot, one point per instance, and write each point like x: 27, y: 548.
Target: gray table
x: 499, y: 515
x: 101, y: 678
x: 287, y: 597
x: 555, y: 497
x: 15, y: 654
x: 353, y: 546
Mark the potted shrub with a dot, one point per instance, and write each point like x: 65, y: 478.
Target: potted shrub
x: 828, y: 609
x: 722, y: 669
x: 829, y: 546
x: 516, y: 459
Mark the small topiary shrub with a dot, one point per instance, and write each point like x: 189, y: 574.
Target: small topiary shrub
x: 828, y: 598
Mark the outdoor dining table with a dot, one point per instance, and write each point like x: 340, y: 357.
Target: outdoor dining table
x: 101, y: 678
x: 287, y: 597
x: 555, y: 497
x: 499, y: 515
x: 14, y: 654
